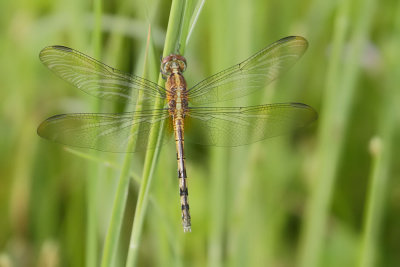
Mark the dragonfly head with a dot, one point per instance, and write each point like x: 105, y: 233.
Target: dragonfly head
x: 173, y: 63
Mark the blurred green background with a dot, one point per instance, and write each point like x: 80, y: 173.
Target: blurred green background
x: 327, y: 195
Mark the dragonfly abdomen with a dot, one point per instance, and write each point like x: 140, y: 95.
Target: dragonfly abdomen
x: 183, y: 188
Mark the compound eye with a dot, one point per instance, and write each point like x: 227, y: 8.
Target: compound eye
x: 182, y: 66
x: 166, y: 68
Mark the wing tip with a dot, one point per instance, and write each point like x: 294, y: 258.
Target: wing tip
x: 63, y: 48
x: 41, y: 129
x: 314, y: 113
x: 296, y: 38
x: 53, y: 47
x: 58, y: 47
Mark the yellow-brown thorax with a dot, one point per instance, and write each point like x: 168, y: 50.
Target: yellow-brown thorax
x: 172, y: 67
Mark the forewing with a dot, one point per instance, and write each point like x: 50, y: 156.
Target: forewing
x: 102, y: 131
x: 235, y: 126
x: 250, y: 75
x: 98, y: 79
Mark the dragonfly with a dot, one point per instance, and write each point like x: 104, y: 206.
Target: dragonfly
x: 183, y: 106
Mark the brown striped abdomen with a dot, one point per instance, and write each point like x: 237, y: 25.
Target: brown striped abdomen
x: 183, y: 188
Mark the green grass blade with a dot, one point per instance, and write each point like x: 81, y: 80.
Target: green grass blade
x: 375, y: 198
x: 333, y: 124
x: 382, y: 151
x: 195, y: 17
x: 94, y: 171
x: 173, y: 42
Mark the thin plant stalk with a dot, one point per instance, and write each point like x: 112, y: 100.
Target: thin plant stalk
x: 334, y: 120
x: 92, y: 181
x: 382, y: 153
x: 111, y: 242
x: 175, y: 34
x: 314, y: 213
x: 218, y: 157
x: 195, y: 17
x: 375, y: 197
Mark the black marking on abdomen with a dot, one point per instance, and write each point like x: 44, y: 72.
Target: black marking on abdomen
x: 182, y: 174
x: 183, y: 192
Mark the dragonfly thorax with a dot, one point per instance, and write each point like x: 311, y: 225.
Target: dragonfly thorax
x: 177, y: 94
x: 173, y: 64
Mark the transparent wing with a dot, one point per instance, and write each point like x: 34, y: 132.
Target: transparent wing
x: 98, y: 79
x: 250, y: 75
x: 235, y: 126
x: 105, y: 132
